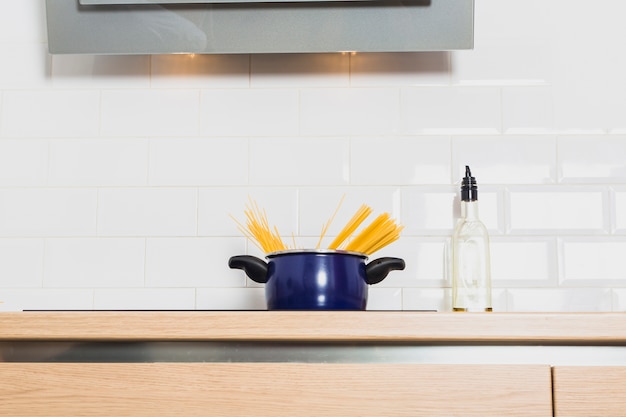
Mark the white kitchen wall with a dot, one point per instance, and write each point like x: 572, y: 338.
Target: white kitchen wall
x: 118, y: 174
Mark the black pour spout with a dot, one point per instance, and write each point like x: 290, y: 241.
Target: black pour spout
x: 469, y: 190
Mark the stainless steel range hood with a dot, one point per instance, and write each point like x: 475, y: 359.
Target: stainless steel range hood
x: 257, y: 26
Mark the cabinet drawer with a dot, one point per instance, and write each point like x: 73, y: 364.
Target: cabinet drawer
x: 589, y: 391
x: 273, y: 389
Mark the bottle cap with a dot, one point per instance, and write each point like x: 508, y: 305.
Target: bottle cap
x: 469, y: 190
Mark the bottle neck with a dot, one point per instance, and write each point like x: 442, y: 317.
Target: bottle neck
x: 469, y: 210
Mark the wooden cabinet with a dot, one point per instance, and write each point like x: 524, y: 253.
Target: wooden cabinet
x: 589, y: 391
x: 274, y: 389
x: 497, y: 364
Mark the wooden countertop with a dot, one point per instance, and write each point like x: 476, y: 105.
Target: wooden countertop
x: 383, y: 326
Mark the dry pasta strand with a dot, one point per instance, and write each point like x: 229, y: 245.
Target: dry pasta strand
x: 381, y: 232
x: 327, y: 225
x: 362, y: 213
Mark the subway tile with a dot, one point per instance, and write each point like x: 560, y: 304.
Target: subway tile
x: 60, y: 113
x: 384, y: 299
x: 505, y: 51
x: 23, y: 21
x: 523, y: 261
x: 619, y: 299
x: 619, y: 209
x: 100, y: 71
x: 23, y: 162
x: 435, y: 210
x: 506, y: 159
x: 400, y: 160
x: 199, y: 162
x: 593, y: 261
x: 230, y: 299
x: 527, y: 109
x: 349, y: 111
x: 400, y: 69
x: 21, y: 263
x: 299, y: 161
x: 243, y: 112
x: 566, y: 210
x: 592, y: 158
x: 24, y: 66
x: 147, y: 212
x: 217, y: 205
x: 94, y: 262
x: 552, y: 300
x: 192, y: 262
x: 317, y: 206
x: 440, y: 299
x: 426, y: 260
x: 149, y: 113
x: 430, y: 210
x: 445, y: 110
x: 490, y: 208
x: 200, y: 71
x: 299, y: 70
x: 33, y: 212
x: 98, y: 162
x: 587, y: 86
x: 46, y: 299
x: 426, y: 299
x: 145, y: 299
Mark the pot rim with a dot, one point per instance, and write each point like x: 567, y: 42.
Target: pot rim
x: 316, y: 252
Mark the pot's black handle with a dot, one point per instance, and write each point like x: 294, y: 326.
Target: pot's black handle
x: 255, y: 268
x: 378, y: 269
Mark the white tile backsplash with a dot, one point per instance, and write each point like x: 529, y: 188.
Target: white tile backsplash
x: 147, y: 212
x: 23, y: 22
x: 94, y: 262
x: 348, y: 111
x: 60, y: 113
x: 44, y: 212
x: 523, y: 261
x: 299, y: 161
x: 192, y: 262
x: 619, y: 209
x: 450, y: 110
x: 558, y: 209
x: 423, y: 160
x: 592, y: 159
x: 200, y: 162
x: 119, y: 174
x: 98, y: 162
x: 139, y: 112
x: 144, y: 299
x: 249, y: 112
x: 506, y: 159
x: 23, y: 162
x: 21, y: 263
x: 593, y: 262
x: 24, y: 65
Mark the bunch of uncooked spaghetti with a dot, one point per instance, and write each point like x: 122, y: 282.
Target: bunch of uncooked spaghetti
x: 382, y: 231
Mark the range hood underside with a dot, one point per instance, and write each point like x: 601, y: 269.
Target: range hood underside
x: 247, y: 26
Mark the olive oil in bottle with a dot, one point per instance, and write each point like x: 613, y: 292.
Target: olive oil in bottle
x: 471, y: 271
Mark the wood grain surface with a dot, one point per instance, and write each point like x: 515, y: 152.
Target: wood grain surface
x: 315, y: 326
x: 588, y: 391
x: 274, y: 389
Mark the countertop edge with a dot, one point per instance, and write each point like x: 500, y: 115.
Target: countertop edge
x: 347, y: 326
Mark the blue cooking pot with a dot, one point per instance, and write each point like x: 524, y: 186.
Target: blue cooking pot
x: 315, y: 279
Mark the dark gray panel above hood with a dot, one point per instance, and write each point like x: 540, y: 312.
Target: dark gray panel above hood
x: 250, y: 26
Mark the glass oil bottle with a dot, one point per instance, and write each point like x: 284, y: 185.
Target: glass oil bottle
x: 471, y: 271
